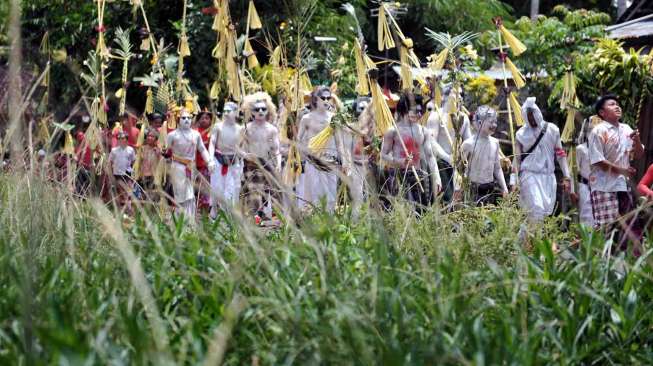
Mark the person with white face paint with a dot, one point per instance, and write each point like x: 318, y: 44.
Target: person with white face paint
x: 183, y: 143
x: 263, y: 158
x: 482, y: 153
x: 225, y: 145
x: 319, y: 179
x: 537, y: 145
x: 442, y: 136
x: 405, y: 147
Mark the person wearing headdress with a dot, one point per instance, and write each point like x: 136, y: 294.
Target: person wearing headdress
x: 482, y: 153
x: 538, y: 145
x: 225, y: 144
x: 612, y: 145
x: 405, y: 147
x: 583, y: 165
x: 319, y: 180
x: 122, y: 158
x: 263, y: 158
x: 203, y: 122
x: 183, y: 145
x: 442, y: 137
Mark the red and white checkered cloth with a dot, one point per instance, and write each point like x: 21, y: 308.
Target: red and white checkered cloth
x: 605, y: 206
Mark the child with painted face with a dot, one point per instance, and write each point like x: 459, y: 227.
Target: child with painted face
x: 319, y: 179
x: 225, y: 144
x: 262, y: 154
x: 150, y: 156
x: 184, y: 143
x: 483, y: 155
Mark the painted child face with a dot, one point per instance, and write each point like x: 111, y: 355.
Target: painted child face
x: 185, y: 120
x: 488, y: 127
x: 324, y: 101
x: 414, y: 114
x: 230, y: 111
x: 360, y: 107
x: 260, y: 111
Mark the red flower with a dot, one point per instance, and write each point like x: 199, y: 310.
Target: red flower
x: 209, y: 10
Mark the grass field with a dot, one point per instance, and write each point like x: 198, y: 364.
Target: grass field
x: 80, y: 287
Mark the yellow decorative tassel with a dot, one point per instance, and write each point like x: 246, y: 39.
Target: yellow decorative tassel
x: 438, y: 96
x: 363, y: 85
x: 515, y: 45
x: 406, y: 72
x: 160, y: 174
x: 188, y: 104
x: 44, y: 132
x: 163, y: 135
x: 568, y: 97
x: 252, y: 17
x: 93, y: 136
x: 102, y: 47
x: 517, y: 76
x: 570, y: 126
x: 119, y: 93
x: 438, y: 62
x: 381, y: 110
x: 516, y: 109
x: 215, y: 90
x: 59, y: 55
x: 383, y: 34
x: 275, y: 59
x: 293, y: 168
x: 318, y: 142
x: 149, y: 101
x: 252, y: 61
x: 184, y: 49
x: 69, y: 145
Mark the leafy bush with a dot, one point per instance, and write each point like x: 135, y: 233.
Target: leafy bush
x: 78, y: 286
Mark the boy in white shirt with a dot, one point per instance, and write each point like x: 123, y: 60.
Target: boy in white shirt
x: 121, y: 158
x: 482, y: 153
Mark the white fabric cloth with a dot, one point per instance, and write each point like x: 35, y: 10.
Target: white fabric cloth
x: 537, y: 194
x: 584, y: 201
x: 585, y: 214
x: 182, y: 186
x: 122, y: 159
x: 611, y: 143
x: 483, y: 162
x: 226, y: 188
x: 316, y: 184
x: 583, y: 161
x: 541, y: 160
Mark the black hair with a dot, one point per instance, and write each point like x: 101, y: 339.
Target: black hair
x: 406, y: 102
x: 598, y: 105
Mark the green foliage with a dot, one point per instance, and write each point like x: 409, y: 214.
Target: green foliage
x: 443, y: 289
x: 609, y: 69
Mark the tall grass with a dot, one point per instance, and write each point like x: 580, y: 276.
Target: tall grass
x: 79, y: 286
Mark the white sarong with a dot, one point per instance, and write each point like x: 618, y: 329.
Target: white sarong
x: 537, y: 194
x: 316, y: 184
x: 182, y: 185
x: 585, y: 206
x: 226, y: 188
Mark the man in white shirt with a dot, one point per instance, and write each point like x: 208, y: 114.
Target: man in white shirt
x: 611, y: 146
x: 482, y: 153
x: 122, y: 157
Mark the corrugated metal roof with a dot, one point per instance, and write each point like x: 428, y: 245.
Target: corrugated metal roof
x: 635, y: 30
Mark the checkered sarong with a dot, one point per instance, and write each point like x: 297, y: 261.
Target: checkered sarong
x: 605, y: 207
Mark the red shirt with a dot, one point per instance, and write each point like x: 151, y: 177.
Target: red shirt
x: 644, y: 186
x: 206, y: 134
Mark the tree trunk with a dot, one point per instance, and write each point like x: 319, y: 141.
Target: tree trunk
x: 14, y: 137
x: 535, y: 9
x: 622, y: 5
